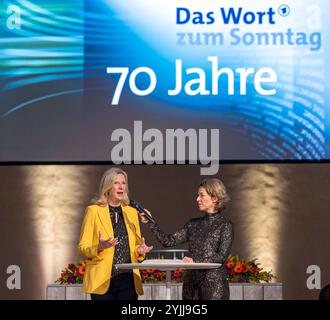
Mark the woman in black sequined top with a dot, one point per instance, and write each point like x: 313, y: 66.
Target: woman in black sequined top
x: 209, y: 240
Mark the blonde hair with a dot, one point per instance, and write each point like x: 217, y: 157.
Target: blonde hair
x: 107, y: 182
x: 215, y: 188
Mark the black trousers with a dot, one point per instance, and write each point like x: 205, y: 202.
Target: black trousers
x: 121, y: 288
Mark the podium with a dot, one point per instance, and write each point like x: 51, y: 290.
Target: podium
x: 167, y: 265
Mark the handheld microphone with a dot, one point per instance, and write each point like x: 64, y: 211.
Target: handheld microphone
x: 139, y: 208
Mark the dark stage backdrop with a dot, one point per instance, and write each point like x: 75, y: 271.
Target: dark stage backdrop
x: 280, y: 213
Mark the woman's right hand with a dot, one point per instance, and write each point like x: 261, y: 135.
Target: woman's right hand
x: 143, y: 218
x: 104, y: 244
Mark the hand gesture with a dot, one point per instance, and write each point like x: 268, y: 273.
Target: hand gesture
x: 143, y: 219
x: 187, y: 260
x: 104, y: 244
x: 143, y: 248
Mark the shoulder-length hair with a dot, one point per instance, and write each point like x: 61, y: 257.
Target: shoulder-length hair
x: 215, y: 188
x: 107, y: 182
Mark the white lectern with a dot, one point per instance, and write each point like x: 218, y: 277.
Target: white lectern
x: 167, y: 265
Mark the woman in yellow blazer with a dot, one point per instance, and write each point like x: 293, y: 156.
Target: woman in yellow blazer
x: 110, y: 234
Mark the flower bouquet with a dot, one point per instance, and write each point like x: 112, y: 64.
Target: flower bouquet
x: 73, y: 273
x: 240, y: 270
x: 154, y: 275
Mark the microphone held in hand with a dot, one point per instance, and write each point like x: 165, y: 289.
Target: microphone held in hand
x: 139, y: 208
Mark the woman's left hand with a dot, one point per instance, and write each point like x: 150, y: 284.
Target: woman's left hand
x: 143, y: 248
x: 187, y: 260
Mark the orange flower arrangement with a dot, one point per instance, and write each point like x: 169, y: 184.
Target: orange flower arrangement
x: 242, y: 271
x: 178, y: 275
x: 73, y: 273
x: 238, y: 270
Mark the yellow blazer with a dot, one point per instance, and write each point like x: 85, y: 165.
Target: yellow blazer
x: 99, y: 264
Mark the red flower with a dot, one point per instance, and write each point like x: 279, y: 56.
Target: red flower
x: 244, y: 267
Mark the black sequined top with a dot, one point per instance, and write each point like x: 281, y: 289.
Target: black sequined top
x: 122, y: 251
x: 209, y: 240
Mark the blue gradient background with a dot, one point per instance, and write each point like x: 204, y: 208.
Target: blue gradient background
x: 56, y: 95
